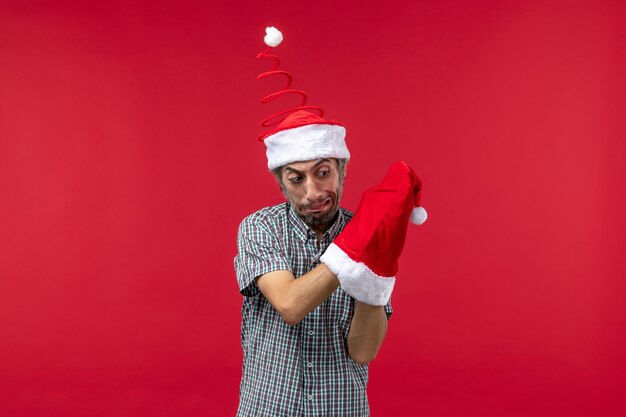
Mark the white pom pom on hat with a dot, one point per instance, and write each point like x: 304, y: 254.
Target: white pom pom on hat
x: 273, y: 37
x: 418, y: 215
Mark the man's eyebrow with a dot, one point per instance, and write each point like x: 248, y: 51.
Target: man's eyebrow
x: 321, y: 161
x: 293, y: 170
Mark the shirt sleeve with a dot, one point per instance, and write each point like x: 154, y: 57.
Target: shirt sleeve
x: 258, y: 253
x: 388, y: 309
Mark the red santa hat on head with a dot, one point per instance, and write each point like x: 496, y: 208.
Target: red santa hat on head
x: 298, y: 133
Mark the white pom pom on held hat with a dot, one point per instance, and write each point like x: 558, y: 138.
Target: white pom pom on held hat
x: 418, y: 216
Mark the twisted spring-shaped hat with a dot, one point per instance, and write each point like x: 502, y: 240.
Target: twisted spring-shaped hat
x: 272, y: 39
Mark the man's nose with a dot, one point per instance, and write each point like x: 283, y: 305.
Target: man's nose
x: 313, y: 192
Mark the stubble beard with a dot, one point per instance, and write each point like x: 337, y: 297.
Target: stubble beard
x: 319, y: 221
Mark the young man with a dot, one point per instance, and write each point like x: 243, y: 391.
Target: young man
x: 306, y: 342
x: 316, y: 293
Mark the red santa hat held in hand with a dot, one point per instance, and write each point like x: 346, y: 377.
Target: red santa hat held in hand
x: 299, y: 133
x: 365, y: 254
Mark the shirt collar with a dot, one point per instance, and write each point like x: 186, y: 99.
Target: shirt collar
x: 336, y: 227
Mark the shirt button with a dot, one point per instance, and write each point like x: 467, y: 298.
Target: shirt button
x: 310, y: 396
x: 310, y: 332
x: 310, y: 365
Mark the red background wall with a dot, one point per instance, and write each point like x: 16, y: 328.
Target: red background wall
x: 128, y: 157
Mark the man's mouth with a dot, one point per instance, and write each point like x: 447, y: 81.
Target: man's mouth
x: 319, y: 206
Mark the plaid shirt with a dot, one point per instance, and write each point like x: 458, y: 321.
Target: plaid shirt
x: 301, y: 370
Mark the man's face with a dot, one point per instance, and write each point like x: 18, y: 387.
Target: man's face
x: 314, y: 189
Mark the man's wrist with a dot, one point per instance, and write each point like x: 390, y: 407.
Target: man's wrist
x: 367, y: 307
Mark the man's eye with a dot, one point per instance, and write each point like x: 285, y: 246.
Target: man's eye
x: 295, y: 180
x: 324, y: 172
